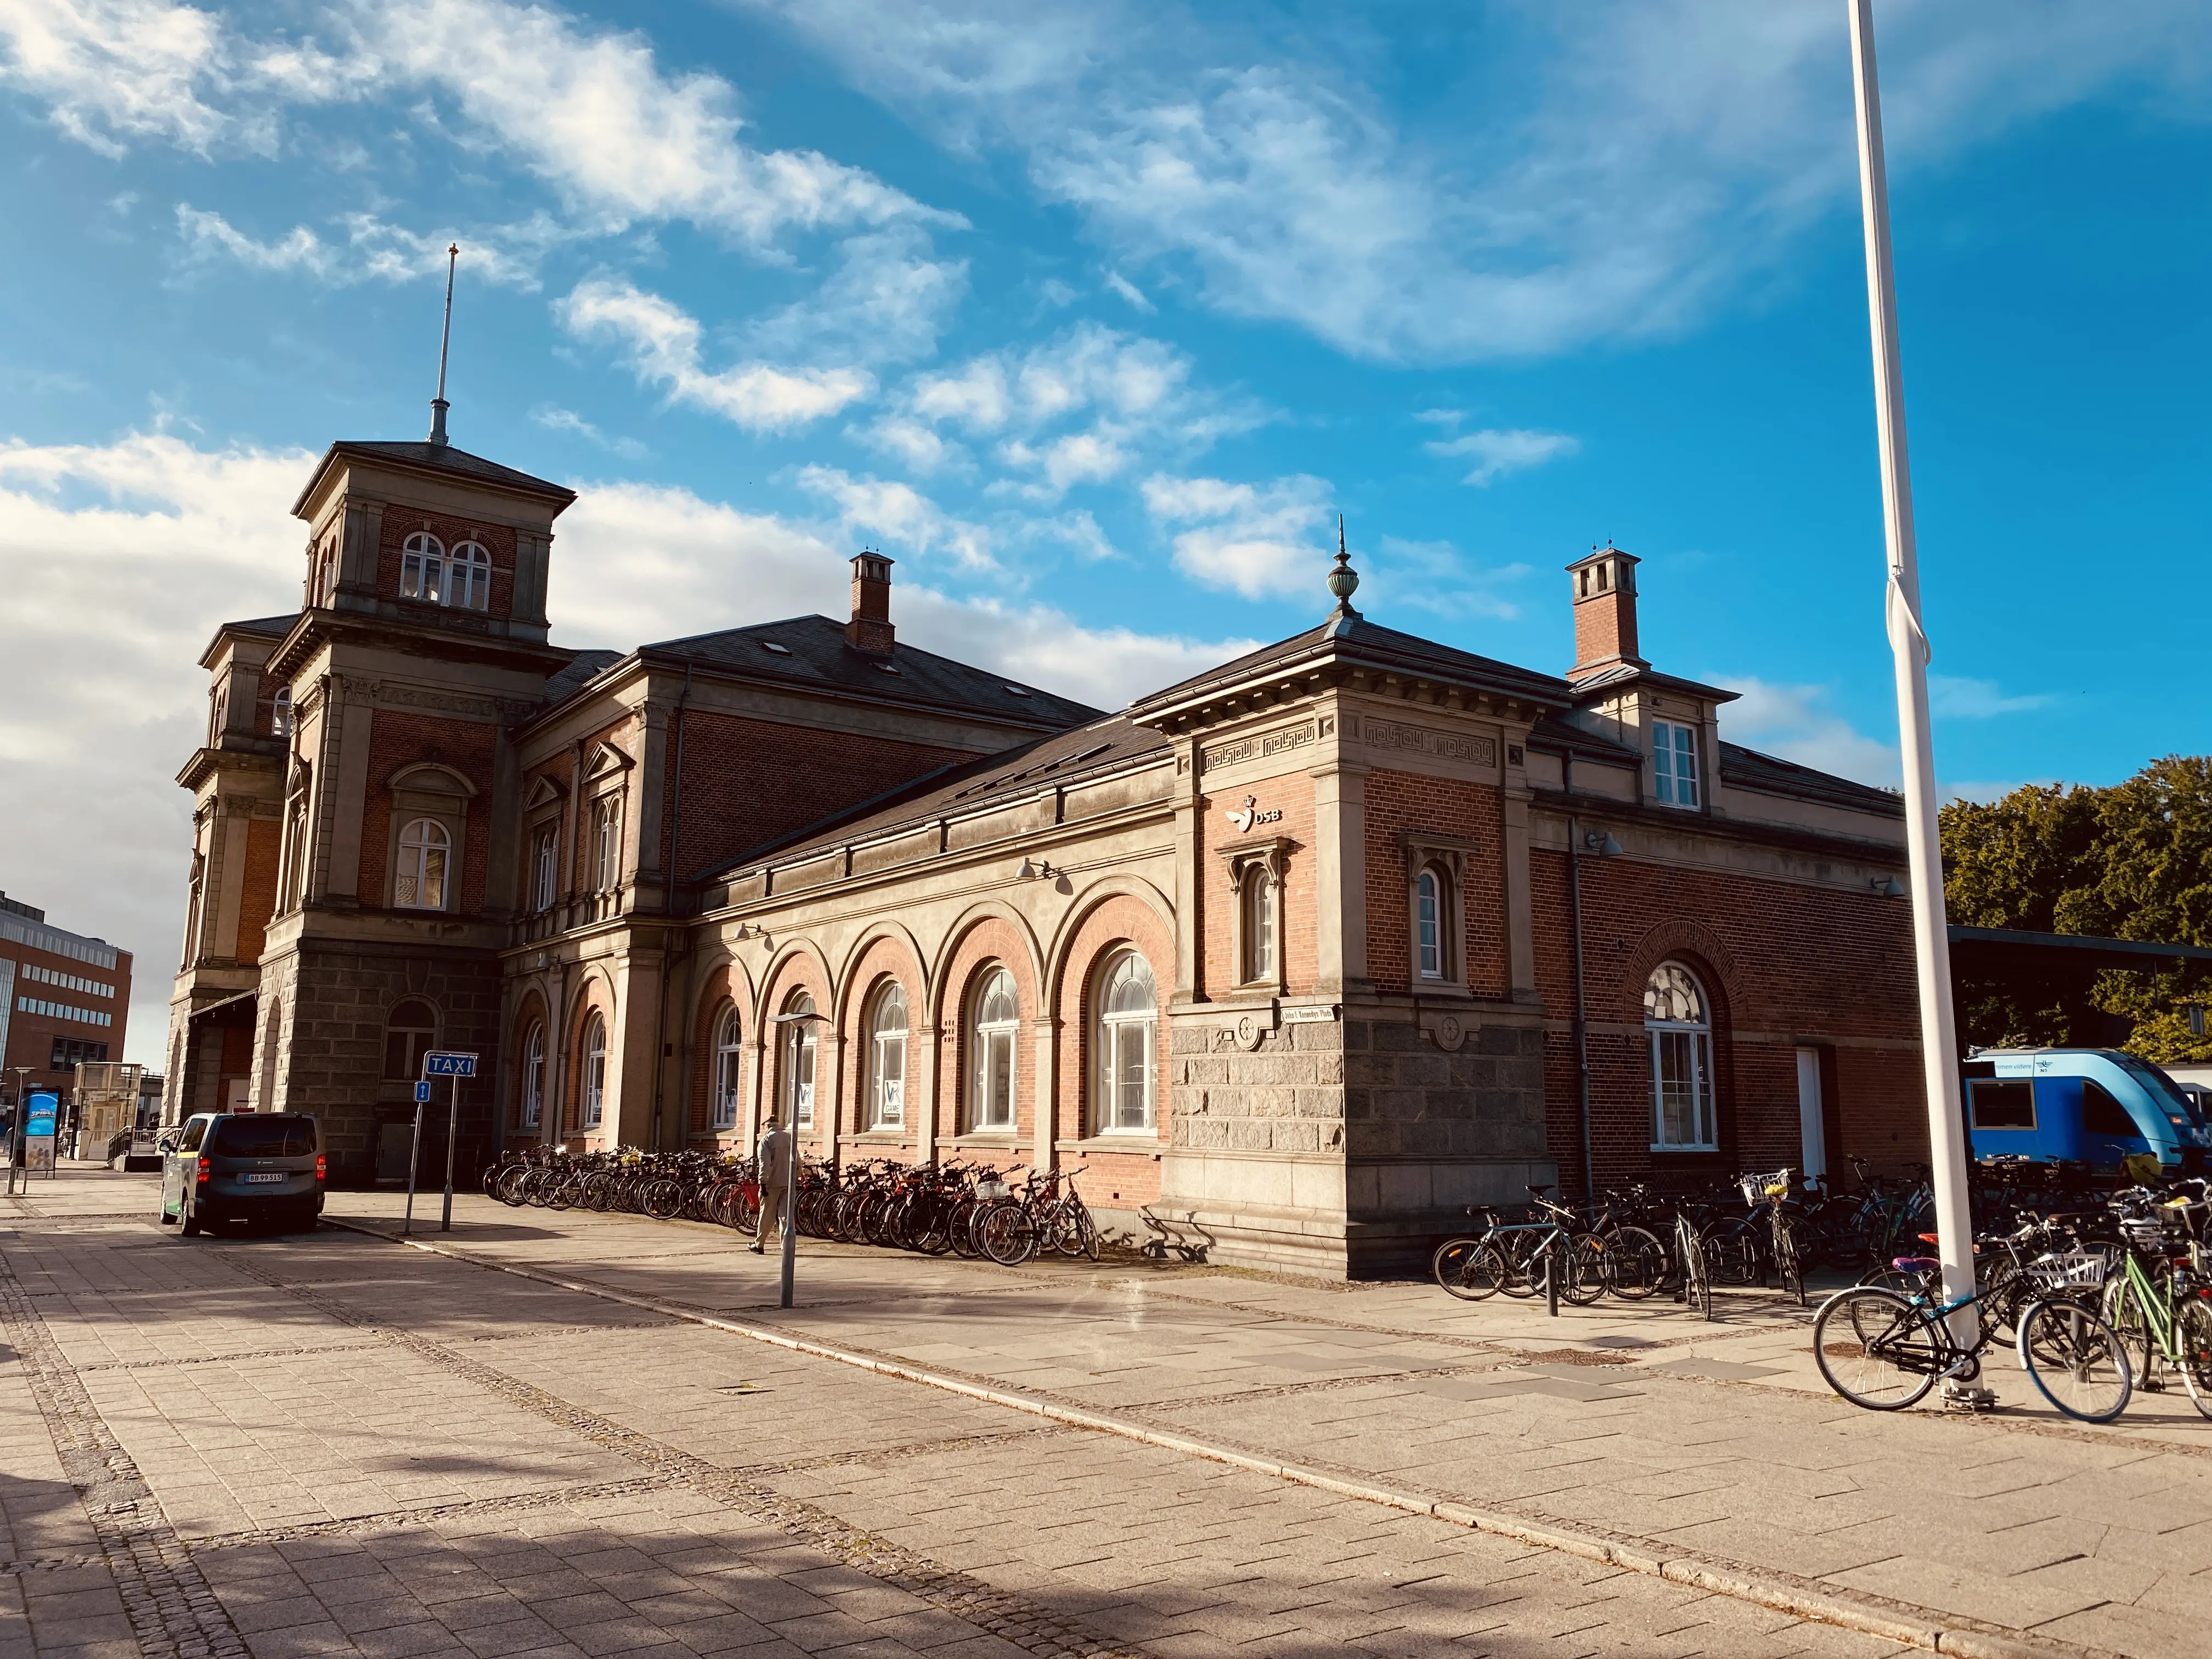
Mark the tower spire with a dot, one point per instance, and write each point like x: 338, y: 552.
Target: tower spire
x: 438, y: 404
x: 1343, y: 579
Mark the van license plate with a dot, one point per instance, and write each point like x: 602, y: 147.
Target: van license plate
x: 263, y: 1177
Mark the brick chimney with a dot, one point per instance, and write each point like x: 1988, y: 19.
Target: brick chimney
x: 1605, y: 613
x: 871, y: 629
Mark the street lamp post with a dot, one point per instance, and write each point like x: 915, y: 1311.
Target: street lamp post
x: 791, y: 1169
x: 1908, y: 640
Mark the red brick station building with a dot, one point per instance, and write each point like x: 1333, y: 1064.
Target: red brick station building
x: 1299, y: 953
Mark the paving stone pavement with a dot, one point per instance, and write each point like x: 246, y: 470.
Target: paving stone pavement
x: 325, y: 1444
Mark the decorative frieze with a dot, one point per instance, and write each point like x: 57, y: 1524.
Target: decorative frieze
x: 1425, y: 740
x: 1257, y: 746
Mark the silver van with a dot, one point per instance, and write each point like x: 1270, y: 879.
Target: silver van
x: 244, y: 1166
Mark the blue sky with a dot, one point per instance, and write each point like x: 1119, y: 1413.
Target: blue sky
x: 1094, y: 317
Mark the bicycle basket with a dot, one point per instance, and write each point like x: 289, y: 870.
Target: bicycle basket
x: 991, y: 1187
x: 2067, y: 1270
x: 1753, y: 1187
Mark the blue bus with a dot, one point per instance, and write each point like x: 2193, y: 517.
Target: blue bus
x: 2096, y: 1106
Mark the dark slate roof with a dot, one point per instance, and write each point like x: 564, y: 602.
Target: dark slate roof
x: 1553, y: 732
x: 815, y: 653
x: 1586, y: 690
x: 1105, y: 744
x: 583, y: 666
x: 436, y: 457
x: 1355, y: 640
x: 1746, y: 768
x: 275, y: 626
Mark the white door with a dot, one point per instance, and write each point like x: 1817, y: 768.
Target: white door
x: 1812, y: 1125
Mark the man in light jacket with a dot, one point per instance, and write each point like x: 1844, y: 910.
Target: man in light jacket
x: 774, y: 1169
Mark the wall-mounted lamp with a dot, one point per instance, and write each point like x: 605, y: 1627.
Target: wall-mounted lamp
x: 1600, y: 844
x: 1886, y: 886
x: 1042, y: 870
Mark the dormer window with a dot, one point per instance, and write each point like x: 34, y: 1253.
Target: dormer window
x: 1675, y: 764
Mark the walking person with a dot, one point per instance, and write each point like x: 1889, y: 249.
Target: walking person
x: 774, y: 1165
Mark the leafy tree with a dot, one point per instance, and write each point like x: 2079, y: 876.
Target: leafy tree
x: 2132, y: 861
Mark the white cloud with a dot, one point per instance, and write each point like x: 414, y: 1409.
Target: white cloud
x: 1437, y: 577
x: 1498, y: 452
x: 371, y: 250
x: 888, y: 301
x: 1599, y: 170
x: 1260, y: 540
x: 889, y: 511
x: 1117, y: 283
x: 554, y: 418
x: 662, y: 341
x: 1795, y: 722
x: 112, y: 70
x: 119, y: 562
x: 1949, y: 698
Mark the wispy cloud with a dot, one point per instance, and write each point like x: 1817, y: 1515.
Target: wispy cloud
x: 660, y: 340
x: 1976, y: 700
x: 368, y: 249
x: 1797, y: 723
x: 554, y: 418
x: 1497, y: 452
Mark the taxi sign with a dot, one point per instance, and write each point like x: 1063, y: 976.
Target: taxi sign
x: 445, y: 1063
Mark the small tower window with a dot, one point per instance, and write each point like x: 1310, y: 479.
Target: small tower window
x: 1675, y: 764
x: 468, y: 577
x: 425, y: 845
x: 280, y: 714
x: 422, y: 569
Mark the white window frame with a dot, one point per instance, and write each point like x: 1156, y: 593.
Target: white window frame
x: 989, y: 1039
x: 426, y: 857
x: 545, y: 865
x: 422, y: 569
x: 468, y: 576
x: 280, y: 714
x: 729, y: 1067
x: 801, y: 1060
x: 595, y: 1071
x: 1262, y: 947
x: 1428, y: 923
x: 533, y: 1076
x: 1688, y: 1044
x: 1118, y: 1037
x: 606, y: 843
x: 1677, y: 779
x: 887, y: 1057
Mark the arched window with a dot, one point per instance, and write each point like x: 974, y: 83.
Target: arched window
x: 1257, y: 896
x: 280, y: 714
x: 420, y: 883
x: 887, y: 1059
x: 533, y: 1076
x: 410, y: 1031
x: 729, y: 1060
x: 798, y: 1051
x: 468, y: 577
x: 595, y: 1071
x: 606, y: 842
x: 994, y: 1027
x: 422, y: 569
x: 544, y: 864
x: 1675, y: 1015
x: 1428, y: 923
x: 1127, y: 1039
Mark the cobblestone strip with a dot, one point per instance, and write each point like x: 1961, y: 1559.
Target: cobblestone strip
x: 225, y: 1358
x: 431, y: 1514
x: 172, y: 1611
x: 1026, y: 1624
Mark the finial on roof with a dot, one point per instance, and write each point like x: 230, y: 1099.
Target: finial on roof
x: 1343, y: 581
x: 438, y: 404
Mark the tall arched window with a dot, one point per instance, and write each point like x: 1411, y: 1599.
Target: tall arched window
x: 1257, y: 896
x: 1676, y: 1015
x: 606, y: 842
x: 798, y: 1052
x: 410, y: 1031
x: 533, y: 1076
x: 280, y: 714
x: 468, y: 577
x: 729, y: 1062
x: 994, y: 1027
x: 1127, y: 1039
x: 887, y: 1059
x: 422, y: 569
x: 595, y: 1071
x: 1428, y: 923
x: 420, y: 882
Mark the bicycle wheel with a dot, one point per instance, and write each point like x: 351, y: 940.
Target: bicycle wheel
x: 1877, y: 1350
x: 2075, y: 1360
x: 1635, y: 1263
x: 1524, y: 1268
x: 1081, y: 1236
x: 1007, y: 1234
x: 1787, y: 1266
x: 2123, y: 1311
x: 662, y: 1197
x: 1733, y: 1255
x: 1586, y: 1271
x: 2192, y: 1339
x: 1467, y: 1269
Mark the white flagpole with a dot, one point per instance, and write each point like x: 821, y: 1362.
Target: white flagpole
x: 1908, y: 641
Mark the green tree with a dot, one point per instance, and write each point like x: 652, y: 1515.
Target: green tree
x: 2132, y: 861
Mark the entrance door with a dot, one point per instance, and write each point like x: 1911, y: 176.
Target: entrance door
x: 234, y: 1094
x: 1812, y: 1124
x: 395, y: 1143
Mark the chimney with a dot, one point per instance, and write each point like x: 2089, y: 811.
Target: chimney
x: 871, y: 629
x: 1605, y: 613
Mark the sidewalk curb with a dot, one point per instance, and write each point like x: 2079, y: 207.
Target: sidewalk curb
x: 1868, y: 1616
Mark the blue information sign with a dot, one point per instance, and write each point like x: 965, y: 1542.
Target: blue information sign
x: 44, y: 1107
x: 422, y: 1092
x: 442, y: 1063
